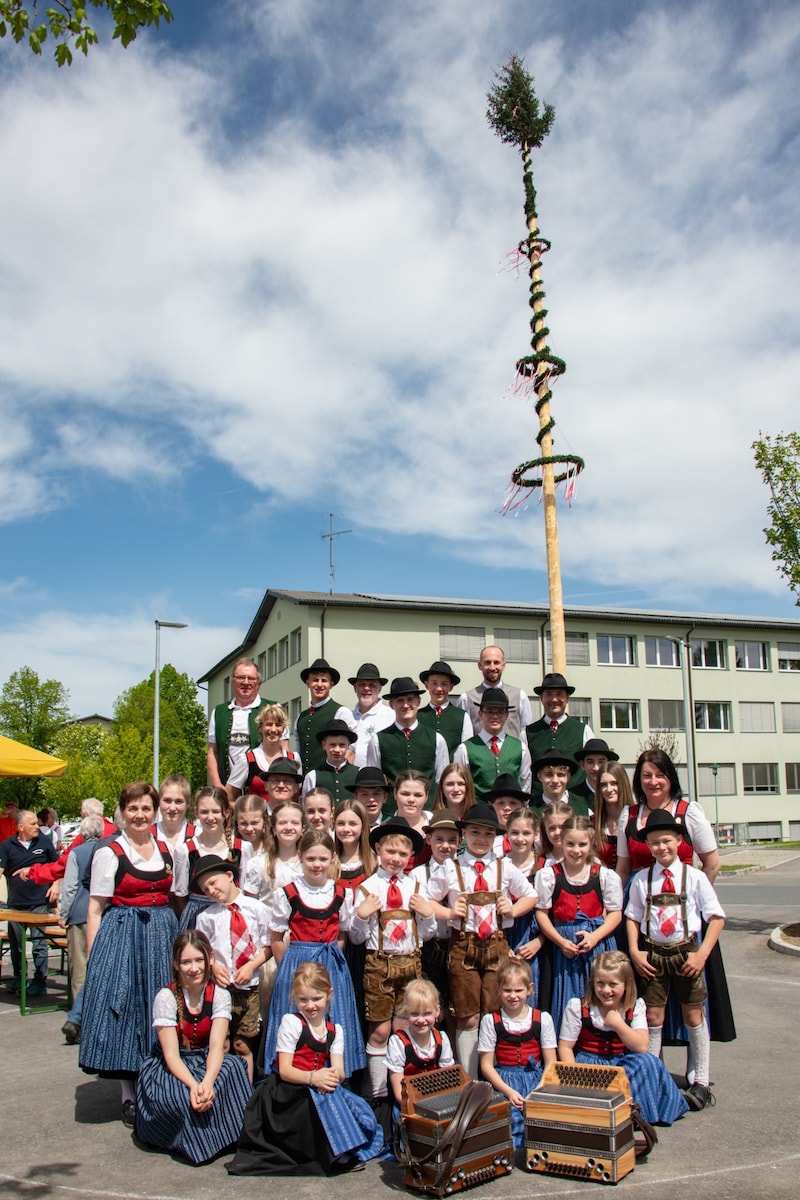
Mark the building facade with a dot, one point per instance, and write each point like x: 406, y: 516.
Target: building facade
x: 742, y: 682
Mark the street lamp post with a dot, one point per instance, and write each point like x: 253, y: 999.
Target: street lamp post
x: 714, y: 772
x: 157, y: 701
x: 684, y: 650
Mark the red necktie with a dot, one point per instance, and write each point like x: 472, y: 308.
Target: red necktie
x: 485, y: 924
x: 394, y: 900
x: 407, y: 733
x: 554, y: 726
x: 438, y: 710
x: 666, y: 917
x: 494, y: 746
x: 480, y: 883
x: 242, y: 948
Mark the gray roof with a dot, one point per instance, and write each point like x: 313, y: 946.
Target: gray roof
x: 491, y: 608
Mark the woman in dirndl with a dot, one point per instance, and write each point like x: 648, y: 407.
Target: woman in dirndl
x: 191, y: 1095
x: 130, y: 929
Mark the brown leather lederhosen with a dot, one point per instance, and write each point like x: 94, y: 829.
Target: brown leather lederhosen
x: 474, y: 960
x: 386, y: 974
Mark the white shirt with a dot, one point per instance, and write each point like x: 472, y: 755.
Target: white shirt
x: 312, y: 897
x: 572, y: 1021
x: 587, y: 729
x: 215, y: 923
x: 367, y: 930
x: 697, y: 826
x: 462, y: 755
x: 239, y: 773
x: 365, y: 724
x: 181, y: 882
x: 610, y: 886
x: 165, y: 1007
x: 701, y: 902
x: 239, y: 741
x: 487, y: 1034
x: 444, y: 883
x: 396, y: 1052
x: 441, y: 757
x: 289, y: 1032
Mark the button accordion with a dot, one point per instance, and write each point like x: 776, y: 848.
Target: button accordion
x: 579, y: 1123
x: 452, y: 1133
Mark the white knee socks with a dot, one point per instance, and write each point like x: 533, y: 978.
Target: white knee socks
x: 700, y: 1048
x: 467, y: 1050
x: 376, y: 1072
x: 654, y: 1039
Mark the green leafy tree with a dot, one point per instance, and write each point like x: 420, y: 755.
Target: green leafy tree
x: 778, y: 460
x: 127, y: 752
x: 32, y: 711
x: 67, y: 23
x: 81, y: 746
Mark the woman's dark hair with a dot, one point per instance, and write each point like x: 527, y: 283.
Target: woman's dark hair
x: 665, y: 765
x: 135, y: 791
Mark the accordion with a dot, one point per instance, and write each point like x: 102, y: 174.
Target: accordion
x: 452, y: 1133
x: 579, y: 1123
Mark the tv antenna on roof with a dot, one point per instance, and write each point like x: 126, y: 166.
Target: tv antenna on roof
x: 328, y: 537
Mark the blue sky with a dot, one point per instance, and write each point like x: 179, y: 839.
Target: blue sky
x: 254, y: 270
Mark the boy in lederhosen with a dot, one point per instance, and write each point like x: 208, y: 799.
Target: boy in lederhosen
x: 666, y: 907
x: 393, y: 916
x: 484, y: 894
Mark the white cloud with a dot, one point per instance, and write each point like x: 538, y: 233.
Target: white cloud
x: 337, y: 290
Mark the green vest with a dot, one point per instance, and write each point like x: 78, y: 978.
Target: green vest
x: 449, y: 723
x: 337, y: 781
x: 309, y: 724
x: 398, y: 753
x: 223, y: 723
x: 568, y: 738
x: 486, y: 766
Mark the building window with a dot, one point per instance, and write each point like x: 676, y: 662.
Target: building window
x: 295, y: 709
x: 760, y: 778
x: 226, y: 688
x: 789, y: 656
x: 666, y: 714
x: 616, y: 651
x: 661, y: 652
x: 712, y: 716
x: 577, y: 648
x: 793, y: 777
x: 619, y: 714
x: 790, y: 717
x: 581, y: 707
x: 262, y: 664
x: 756, y: 717
x: 295, y: 646
x: 708, y: 653
x: 461, y: 642
x: 272, y: 661
x: 518, y: 645
x: 764, y: 831
x: 726, y: 779
x: 283, y: 654
x: 752, y: 656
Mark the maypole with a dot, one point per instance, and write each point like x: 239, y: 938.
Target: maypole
x: 514, y: 115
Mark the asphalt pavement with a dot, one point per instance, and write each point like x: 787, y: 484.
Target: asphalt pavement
x: 62, y: 1137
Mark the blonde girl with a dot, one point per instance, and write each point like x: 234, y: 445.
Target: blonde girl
x: 420, y: 1046
x: 318, y: 808
x: 579, y: 907
x: 250, y: 770
x: 524, y: 937
x: 455, y: 790
x: 174, y: 801
x: 516, y: 1041
x: 608, y: 1026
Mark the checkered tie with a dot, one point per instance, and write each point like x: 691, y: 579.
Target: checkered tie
x: 242, y: 947
x: 483, y: 917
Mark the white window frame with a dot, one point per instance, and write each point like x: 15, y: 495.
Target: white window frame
x: 608, y: 639
x: 660, y: 648
x: 725, y: 713
x: 698, y: 645
x: 745, y: 649
x: 633, y: 714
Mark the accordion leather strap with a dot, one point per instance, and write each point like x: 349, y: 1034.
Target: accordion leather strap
x: 473, y: 1101
x: 642, y: 1146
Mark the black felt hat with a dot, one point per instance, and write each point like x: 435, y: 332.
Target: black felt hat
x: 320, y: 664
x: 596, y: 746
x: 209, y: 864
x: 440, y: 668
x: 339, y: 728
x: 371, y: 777
x: 660, y: 820
x: 400, y: 827
x: 481, y: 814
x: 368, y: 671
x: 554, y: 680
x: 506, y: 785
x: 404, y: 685
x: 554, y: 758
x: 495, y: 698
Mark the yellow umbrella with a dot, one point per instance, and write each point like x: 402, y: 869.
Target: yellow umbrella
x: 17, y: 759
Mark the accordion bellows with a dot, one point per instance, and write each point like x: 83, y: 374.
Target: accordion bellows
x: 578, y: 1123
x: 429, y: 1102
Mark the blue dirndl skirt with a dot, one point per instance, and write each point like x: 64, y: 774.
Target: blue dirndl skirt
x: 194, y: 906
x: 343, y: 1009
x: 570, y: 975
x: 349, y: 1123
x: 652, y: 1086
x: 166, y: 1119
x: 525, y: 929
x: 131, y: 960
x: 522, y: 1080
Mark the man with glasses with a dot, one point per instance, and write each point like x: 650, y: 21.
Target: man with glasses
x: 232, y: 727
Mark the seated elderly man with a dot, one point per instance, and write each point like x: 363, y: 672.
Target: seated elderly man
x: 25, y: 849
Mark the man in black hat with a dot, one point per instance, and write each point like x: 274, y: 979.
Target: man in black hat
x: 493, y: 750
x: 491, y: 664
x: 451, y: 722
x: 370, y: 714
x: 593, y: 757
x: 407, y: 742
x: 555, y: 730
x: 319, y: 678
x: 336, y: 774
x: 232, y: 729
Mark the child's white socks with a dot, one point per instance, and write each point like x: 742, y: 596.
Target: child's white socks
x: 467, y: 1050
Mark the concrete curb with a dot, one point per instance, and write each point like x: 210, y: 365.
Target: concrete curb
x: 779, y: 943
